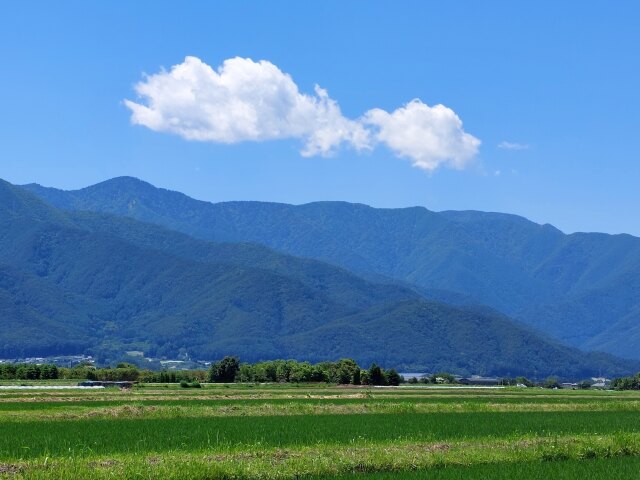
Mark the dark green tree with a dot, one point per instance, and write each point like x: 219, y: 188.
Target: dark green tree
x: 393, y: 377
x: 376, y: 377
x: 225, y: 370
x: 552, y: 382
x: 584, y: 384
x: 357, y: 377
x: 345, y: 370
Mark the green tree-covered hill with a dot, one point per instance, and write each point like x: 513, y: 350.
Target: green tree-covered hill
x: 583, y: 288
x: 106, y: 284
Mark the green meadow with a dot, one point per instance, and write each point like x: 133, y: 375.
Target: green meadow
x: 318, y: 432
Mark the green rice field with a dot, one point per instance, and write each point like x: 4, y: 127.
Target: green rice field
x: 318, y: 432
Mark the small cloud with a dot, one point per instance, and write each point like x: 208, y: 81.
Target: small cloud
x: 497, y: 173
x: 512, y: 146
x: 247, y: 101
x: 428, y: 136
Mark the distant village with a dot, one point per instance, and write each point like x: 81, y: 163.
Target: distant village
x: 481, y: 381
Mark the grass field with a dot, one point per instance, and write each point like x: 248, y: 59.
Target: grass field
x: 318, y: 432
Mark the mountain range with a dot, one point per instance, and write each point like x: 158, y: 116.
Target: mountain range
x: 126, y: 266
x: 583, y: 288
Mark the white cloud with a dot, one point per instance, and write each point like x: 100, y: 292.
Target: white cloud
x: 428, y: 136
x: 512, y: 146
x: 245, y: 100
x: 242, y: 101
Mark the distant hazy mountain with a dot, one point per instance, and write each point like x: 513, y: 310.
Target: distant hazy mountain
x: 583, y: 288
x: 81, y: 281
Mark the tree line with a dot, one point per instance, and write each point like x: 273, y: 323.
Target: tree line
x: 344, y: 371
x: 28, y: 371
x: 227, y: 370
x: 626, y: 383
x: 230, y: 370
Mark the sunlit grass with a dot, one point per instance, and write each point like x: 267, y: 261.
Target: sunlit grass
x: 319, y: 431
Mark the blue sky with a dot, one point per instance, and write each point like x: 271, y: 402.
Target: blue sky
x: 559, y: 79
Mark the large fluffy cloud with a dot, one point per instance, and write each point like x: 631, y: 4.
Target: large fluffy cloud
x: 428, y: 136
x: 242, y: 101
x: 245, y: 100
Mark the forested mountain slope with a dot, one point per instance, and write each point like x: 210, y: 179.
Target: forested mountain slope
x: 81, y: 281
x: 582, y: 288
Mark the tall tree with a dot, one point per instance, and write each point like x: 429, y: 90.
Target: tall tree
x: 393, y: 377
x: 225, y: 370
x: 376, y: 377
